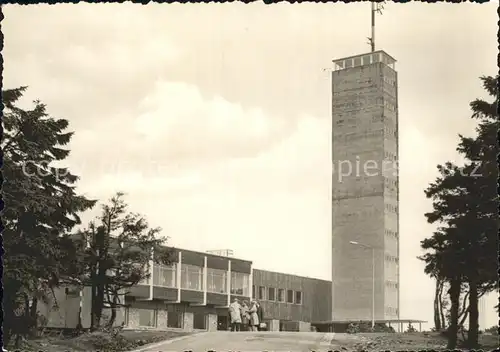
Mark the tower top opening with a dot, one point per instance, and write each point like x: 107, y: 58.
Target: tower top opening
x: 365, y: 59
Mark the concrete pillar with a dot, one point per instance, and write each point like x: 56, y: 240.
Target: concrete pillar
x: 187, y: 321
x: 228, y: 283
x: 212, y: 322
x: 162, y: 319
x: 205, y: 280
x: 274, y: 325
x: 133, y: 318
x: 179, y: 277
x: 250, y: 283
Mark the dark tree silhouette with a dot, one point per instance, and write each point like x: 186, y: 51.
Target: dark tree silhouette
x: 465, y: 203
x: 41, y: 209
x: 116, y: 251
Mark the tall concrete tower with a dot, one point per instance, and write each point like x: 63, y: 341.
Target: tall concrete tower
x: 365, y: 221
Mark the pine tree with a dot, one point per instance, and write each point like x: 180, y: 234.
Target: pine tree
x: 41, y: 207
x: 116, y: 251
x: 465, y: 202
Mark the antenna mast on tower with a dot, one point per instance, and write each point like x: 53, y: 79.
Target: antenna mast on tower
x: 377, y: 7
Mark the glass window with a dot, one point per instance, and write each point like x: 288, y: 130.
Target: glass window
x: 289, y: 296
x: 192, y: 277
x: 216, y: 280
x: 281, y: 295
x: 366, y: 60
x: 199, y: 321
x: 298, y: 297
x: 357, y: 61
x: 348, y: 63
x: 174, y: 320
x: 147, y: 317
x: 375, y: 58
x: 240, y: 284
x: 271, y: 294
x: 165, y: 276
x: 262, y: 292
x: 253, y: 291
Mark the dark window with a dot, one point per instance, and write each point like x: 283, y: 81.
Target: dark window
x: 298, y: 297
x: 262, y: 292
x: 253, y: 291
x: 271, y: 294
x: 199, y: 321
x: 289, y: 296
x: 174, y: 320
x: 366, y: 60
x: 281, y: 295
x: 348, y: 63
x: 357, y: 61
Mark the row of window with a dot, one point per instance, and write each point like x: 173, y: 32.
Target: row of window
x: 390, y: 188
x: 391, y: 208
x: 191, y: 278
x: 390, y: 131
x: 389, y: 156
x: 391, y: 258
x: 391, y: 284
x: 390, y: 81
x: 364, y: 60
x: 389, y: 106
x: 391, y: 233
x: 350, y: 106
x: 390, y: 182
x: 361, y: 135
x: 391, y: 311
x: 277, y: 295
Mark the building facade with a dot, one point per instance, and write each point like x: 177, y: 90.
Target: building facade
x: 194, y: 293
x: 291, y: 301
x: 365, y: 189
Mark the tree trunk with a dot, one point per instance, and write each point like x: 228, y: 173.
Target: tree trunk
x: 93, y: 307
x: 34, y: 308
x: 473, y: 336
x: 442, y: 306
x: 437, y: 320
x: 97, y: 305
x: 34, y: 314
x: 454, y: 293
x: 113, y: 312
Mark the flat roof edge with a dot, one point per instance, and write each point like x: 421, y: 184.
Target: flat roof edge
x: 368, y: 53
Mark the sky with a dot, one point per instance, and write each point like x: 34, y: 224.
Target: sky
x: 215, y: 119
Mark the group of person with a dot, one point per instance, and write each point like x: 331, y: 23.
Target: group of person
x: 246, y: 317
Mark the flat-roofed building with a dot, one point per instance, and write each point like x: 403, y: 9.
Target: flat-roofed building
x: 194, y: 293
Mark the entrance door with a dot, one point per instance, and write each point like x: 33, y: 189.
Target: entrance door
x: 222, y: 322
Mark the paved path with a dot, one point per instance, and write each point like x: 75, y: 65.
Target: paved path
x: 224, y: 341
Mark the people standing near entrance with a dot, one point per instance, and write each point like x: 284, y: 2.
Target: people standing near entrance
x: 245, y: 317
x: 235, y: 315
x: 260, y: 314
x: 254, y: 318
